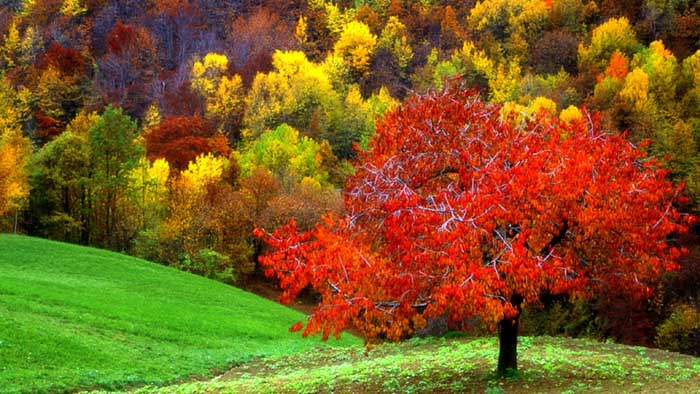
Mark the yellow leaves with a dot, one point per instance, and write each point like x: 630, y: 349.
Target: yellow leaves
x: 81, y: 124
x: 27, y: 6
x: 542, y: 104
x: 228, y: 98
x: 151, y: 118
x: 294, y: 92
x: 73, y: 8
x: 149, y: 189
x: 512, y: 110
x: 206, y: 169
x: 19, y: 49
x: 516, y: 113
x: 150, y: 176
x: 336, y: 20
x: 469, y: 61
x: 393, y: 38
x: 691, y: 79
x: 159, y: 171
x: 570, y: 114
x: 14, y: 111
x: 223, y: 93
x: 300, y: 30
x: 481, y: 61
x: 14, y: 186
x: 207, y: 72
x: 294, y: 63
x: 691, y: 69
x: 266, y: 99
x: 289, y: 156
x: 658, y: 48
x: 614, y: 34
x: 635, y: 91
x: 518, y: 19
x: 662, y: 68
x: 11, y: 45
x: 354, y: 97
x: 506, y: 82
x: 356, y: 46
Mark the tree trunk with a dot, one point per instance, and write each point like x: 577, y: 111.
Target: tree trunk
x: 508, y: 340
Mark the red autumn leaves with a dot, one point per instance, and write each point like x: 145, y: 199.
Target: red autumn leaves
x: 455, y: 210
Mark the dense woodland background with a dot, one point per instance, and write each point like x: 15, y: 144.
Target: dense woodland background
x: 167, y: 128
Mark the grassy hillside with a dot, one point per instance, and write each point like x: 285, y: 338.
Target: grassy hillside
x: 464, y: 365
x: 79, y: 317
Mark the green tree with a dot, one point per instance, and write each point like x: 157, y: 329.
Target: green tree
x: 114, y: 153
x: 690, y: 86
x: 662, y: 68
x: 616, y: 34
x: 19, y: 49
x: 288, y: 155
x: 60, y: 204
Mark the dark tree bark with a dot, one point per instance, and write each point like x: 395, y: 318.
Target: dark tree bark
x: 508, y: 340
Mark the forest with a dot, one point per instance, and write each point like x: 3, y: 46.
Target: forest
x: 186, y: 131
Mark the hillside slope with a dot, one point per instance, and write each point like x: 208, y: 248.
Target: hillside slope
x: 80, y: 317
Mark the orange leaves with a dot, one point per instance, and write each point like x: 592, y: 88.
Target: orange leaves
x: 618, y: 68
x: 296, y: 327
x: 453, y: 212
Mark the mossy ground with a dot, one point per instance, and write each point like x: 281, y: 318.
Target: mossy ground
x: 462, y: 365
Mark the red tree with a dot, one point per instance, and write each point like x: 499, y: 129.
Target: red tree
x: 180, y: 139
x: 126, y: 71
x: 455, y: 212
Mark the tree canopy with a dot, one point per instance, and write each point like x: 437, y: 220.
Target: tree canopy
x: 455, y: 211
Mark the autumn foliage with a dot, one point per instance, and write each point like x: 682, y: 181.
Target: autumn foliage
x: 455, y: 211
x: 269, y: 102
x: 180, y: 139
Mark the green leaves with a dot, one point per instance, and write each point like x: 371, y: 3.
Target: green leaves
x: 289, y: 156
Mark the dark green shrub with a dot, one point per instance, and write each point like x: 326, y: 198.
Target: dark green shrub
x: 681, y: 331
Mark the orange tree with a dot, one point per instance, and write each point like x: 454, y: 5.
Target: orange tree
x: 455, y: 211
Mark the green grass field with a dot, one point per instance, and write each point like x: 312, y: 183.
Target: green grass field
x: 75, y: 317
x: 462, y: 365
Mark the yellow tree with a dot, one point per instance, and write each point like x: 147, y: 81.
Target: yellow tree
x: 148, y: 192
x: 615, y: 34
x: 394, y: 38
x: 662, y: 68
x: 635, y: 91
x: 297, y: 91
x: 300, y: 31
x: 208, y: 222
x: 19, y: 50
x: 73, y: 8
x: 14, y: 185
x: 473, y: 64
x: 570, y: 114
x: 356, y: 46
x: 512, y: 22
x: 15, y: 149
x: 223, y: 94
